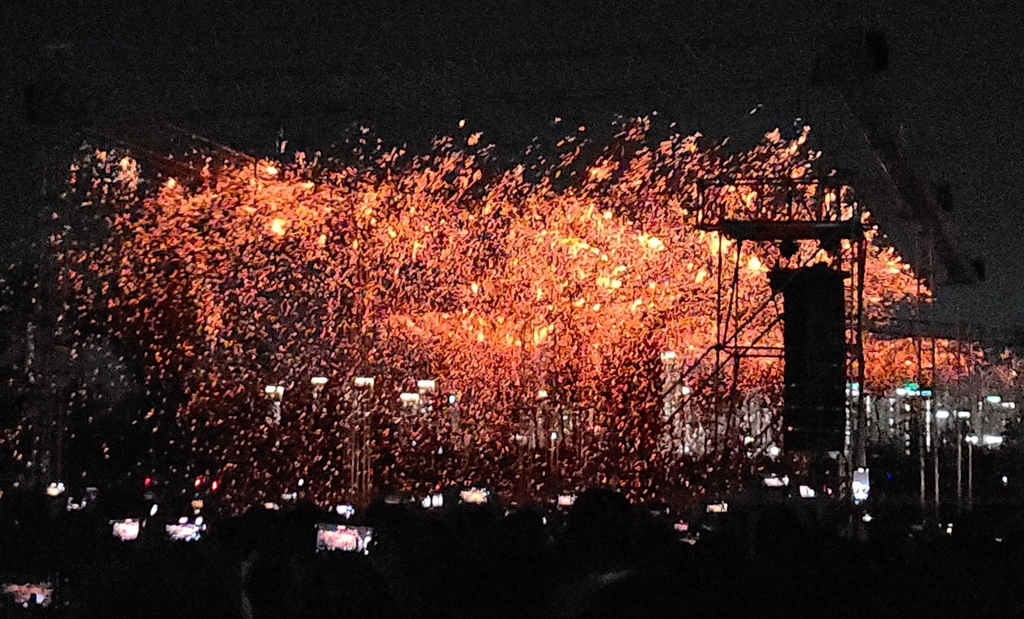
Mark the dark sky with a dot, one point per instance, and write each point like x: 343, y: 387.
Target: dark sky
x: 240, y: 69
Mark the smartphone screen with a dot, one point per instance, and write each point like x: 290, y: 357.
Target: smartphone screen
x: 343, y: 538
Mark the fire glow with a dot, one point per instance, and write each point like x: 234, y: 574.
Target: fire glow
x: 570, y: 278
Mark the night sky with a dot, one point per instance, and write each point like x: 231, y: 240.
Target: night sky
x: 240, y: 71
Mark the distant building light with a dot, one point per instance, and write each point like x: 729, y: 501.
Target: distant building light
x: 363, y: 382
x: 963, y: 414
x: 318, y: 381
x: 806, y: 492
x: 942, y: 414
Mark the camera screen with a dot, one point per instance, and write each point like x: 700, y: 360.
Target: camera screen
x: 343, y: 538
x: 186, y: 530
x: 475, y: 496
x: 39, y: 594
x: 125, y: 530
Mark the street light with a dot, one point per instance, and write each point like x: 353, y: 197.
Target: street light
x: 276, y: 395
x: 360, y: 463
x: 318, y: 383
x: 425, y: 387
x: 992, y: 440
x: 972, y: 440
x: 409, y: 399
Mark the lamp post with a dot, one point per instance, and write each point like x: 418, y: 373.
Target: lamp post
x: 540, y: 424
x: 409, y: 399
x: 318, y: 382
x: 669, y: 404
x: 972, y: 440
x: 961, y: 423
x: 276, y: 395
x: 426, y: 389
x: 542, y: 429
x: 360, y: 437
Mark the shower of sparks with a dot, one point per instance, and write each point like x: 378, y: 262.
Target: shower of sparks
x: 567, y: 276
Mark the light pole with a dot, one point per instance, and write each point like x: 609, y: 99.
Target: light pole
x: 542, y: 397
x: 972, y: 440
x: 276, y: 395
x: 961, y: 422
x: 669, y: 404
x: 426, y: 388
x: 409, y: 400
x: 318, y: 383
x: 360, y: 438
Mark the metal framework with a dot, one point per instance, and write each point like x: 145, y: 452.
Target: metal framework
x: 787, y: 215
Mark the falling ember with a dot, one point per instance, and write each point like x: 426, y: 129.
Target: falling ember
x: 399, y: 268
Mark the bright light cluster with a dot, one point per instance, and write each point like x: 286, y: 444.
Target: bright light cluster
x: 566, y: 276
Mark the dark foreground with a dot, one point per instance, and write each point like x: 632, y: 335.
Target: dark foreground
x: 601, y: 558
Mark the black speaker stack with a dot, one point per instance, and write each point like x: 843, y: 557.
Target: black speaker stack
x: 814, y: 340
